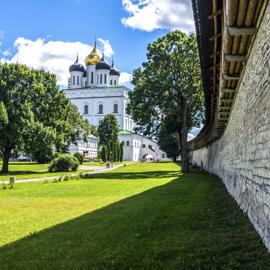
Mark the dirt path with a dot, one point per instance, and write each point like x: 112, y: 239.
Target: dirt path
x: 92, y: 170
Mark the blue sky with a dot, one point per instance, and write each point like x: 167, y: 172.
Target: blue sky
x: 47, y: 34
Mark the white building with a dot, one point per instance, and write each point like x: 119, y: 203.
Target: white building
x: 138, y: 147
x: 89, y: 149
x: 96, y: 92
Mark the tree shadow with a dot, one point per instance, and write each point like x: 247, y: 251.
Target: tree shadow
x: 188, y: 223
x: 132, y: 175
x: 11, y: 173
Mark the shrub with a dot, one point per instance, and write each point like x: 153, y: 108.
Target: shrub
x: 80, y: 157
x: 64, y: 163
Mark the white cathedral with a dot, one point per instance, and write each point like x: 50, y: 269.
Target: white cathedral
x: 96, y: 92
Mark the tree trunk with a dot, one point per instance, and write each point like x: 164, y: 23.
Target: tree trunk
x: 6, y: 157
x: 183, y: 136
x: 174, y: 159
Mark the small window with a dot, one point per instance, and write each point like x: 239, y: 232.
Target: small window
x: 100, y: 109
x: 86, y: 111
x: 97, y: 79
x: 92, y: 77
x: 143, y: 145
x: 114, y: 82
x: 73, y: 80
x: 115, y: 108
x: 128, y: 143
x: 78, y: 80
x: 100, y: 78
x: 110, y: 82
x: 105, y: 78
x: 163, y: 155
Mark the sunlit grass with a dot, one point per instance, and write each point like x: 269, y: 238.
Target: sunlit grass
x: 30, y: 207
x: 28, y: 170
x: 142, y: 216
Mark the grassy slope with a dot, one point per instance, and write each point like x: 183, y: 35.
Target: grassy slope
x: 28, y: 170
x: 139, y: 217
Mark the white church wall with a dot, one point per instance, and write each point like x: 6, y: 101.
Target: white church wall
x: 107, y: 97
x: 114, y: 80
x: 76, y: 79
x: 103, y: 77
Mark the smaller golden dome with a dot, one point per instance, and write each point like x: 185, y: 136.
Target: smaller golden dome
x: 94, y: 57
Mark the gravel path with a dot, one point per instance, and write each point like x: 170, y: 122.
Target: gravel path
x: 92, y: 170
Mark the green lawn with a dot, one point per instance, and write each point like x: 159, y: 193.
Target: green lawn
x: 142, y: 216
x: 28, y: 170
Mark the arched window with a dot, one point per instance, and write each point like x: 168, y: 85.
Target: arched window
x: 92, y: 77
x: 105, y: 78
x: 73, y: 80
x: 115, y: 108
x: 78, y: 80
x: 86, y: 109
x: 114, y: 82
x: 127, y: 143
x: 110, y: 82
x: 100, y: 109
x: 100, y: 77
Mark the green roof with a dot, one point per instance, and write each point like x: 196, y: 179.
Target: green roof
x: 125, y: 132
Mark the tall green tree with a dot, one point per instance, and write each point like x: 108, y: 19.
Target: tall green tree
x: 108, y: 129
x: 168, y: 142
x: 169, y: 84
x: 104, y: 153
x: 108, y: 135
x: 121, y: 154
x: 37, y: 116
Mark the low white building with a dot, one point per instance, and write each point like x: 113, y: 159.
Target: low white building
x: 89, y: 149
x: 140, y: 148
x: 94, y: 89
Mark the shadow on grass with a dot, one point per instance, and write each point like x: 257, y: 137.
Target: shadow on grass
x: 189, y: 223
x: 23, y: 173
x: 132, y: 175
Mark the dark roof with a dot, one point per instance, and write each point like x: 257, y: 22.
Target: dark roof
x: 77, y: 66
x: 102, y: 64
x: 114, y: 71
x: 205, y: 30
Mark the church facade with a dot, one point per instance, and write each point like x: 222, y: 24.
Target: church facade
x: 96, y: 92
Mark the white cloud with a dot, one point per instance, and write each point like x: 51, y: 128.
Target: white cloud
x: 54, y: 56
x: 1, y: 34
x: 148, y: 15
x: 6, y: 53
x: 107, y: 48
x: 194, y: 132
x: 125, y: 78
x: 190, y: 137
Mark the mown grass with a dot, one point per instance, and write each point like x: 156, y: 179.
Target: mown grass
x: 28, y: 170
x: 142, y: 216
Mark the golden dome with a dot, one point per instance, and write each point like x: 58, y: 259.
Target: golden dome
x: 93, y: 58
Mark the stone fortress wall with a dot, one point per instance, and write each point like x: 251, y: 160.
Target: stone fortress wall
x: 241, y: 157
